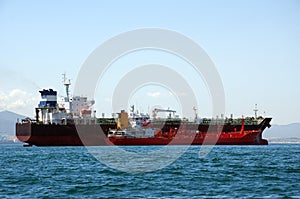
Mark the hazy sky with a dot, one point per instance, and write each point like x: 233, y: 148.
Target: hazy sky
x: 255, y: 46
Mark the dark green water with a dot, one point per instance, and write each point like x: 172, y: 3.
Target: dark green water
x: 227, y: 172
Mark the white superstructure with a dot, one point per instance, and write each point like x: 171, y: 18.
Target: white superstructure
x: 51, y: 110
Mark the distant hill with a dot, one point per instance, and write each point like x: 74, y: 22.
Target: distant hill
x: 283, y: 131
x: 7, y: 122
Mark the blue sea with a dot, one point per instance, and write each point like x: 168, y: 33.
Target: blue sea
x: 271, y: 171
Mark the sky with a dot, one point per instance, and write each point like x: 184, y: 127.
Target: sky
x: 255, y: 46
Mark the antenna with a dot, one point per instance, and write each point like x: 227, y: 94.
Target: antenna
x: 255, y: 111
x: 132, y: 109
x: 67, y: 84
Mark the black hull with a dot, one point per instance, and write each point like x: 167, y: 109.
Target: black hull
x: 96, y: 134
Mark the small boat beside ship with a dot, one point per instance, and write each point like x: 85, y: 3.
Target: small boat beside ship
x: 72, y: 122
x: 243, y: 131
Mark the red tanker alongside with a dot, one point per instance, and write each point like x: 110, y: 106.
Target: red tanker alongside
x: 71, y: 122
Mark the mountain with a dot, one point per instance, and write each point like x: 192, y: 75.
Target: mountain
x: 8, y: 120
x: 289, y: 133
x: 283, y: 131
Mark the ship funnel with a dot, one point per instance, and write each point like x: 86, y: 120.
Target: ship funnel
x: 48, y: 98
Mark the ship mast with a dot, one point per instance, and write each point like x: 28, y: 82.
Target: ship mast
x: 67, y: 84
x: 255, y: 111
x: 195, y: 111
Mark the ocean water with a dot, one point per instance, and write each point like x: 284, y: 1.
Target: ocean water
x: 271, y: 171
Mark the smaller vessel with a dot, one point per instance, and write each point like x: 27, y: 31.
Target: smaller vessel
x: 136, y: 127
x: 142, y: 131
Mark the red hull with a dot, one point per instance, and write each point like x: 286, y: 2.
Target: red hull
x: 247, y: 138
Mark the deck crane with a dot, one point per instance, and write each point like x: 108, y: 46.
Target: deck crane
x: 157, y: 110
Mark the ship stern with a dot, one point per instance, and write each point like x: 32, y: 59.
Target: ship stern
x: 23, y: 131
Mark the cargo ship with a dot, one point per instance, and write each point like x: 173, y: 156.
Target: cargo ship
x: 72, y: 122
